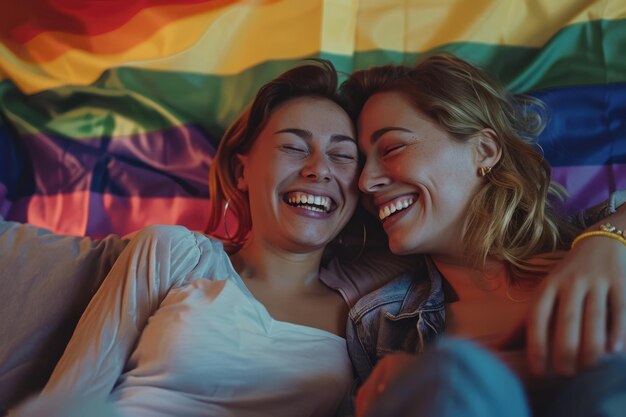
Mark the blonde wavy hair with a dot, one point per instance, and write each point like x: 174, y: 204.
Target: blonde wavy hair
x: 317, y: 78
x: 512, y: 217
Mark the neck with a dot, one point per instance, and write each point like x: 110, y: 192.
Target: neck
x: 467, y: 264
x: 469, y: 281
x: 283, y: 271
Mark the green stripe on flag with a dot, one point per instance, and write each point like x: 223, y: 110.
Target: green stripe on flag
x: 129, y: 101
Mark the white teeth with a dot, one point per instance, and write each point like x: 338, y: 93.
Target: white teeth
x: 321, y: 203
x: 391, y: 208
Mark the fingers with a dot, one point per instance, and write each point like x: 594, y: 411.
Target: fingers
x: 537, y: 333
x: 580, y: 313
x: 365, y: 398
x: 567, y: 329
x: 371, y: 389
x: 594, y: 335
x: 617, y: 322
x: 578, y: 336
x: 384, y: 373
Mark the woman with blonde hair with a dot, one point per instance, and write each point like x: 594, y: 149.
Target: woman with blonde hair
x: 453, y: 172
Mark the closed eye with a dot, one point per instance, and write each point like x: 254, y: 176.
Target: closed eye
x: 343, y: 158
x: 293, y: 149
x: 390, y: 150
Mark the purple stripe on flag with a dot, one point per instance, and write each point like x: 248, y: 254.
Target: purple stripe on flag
x: 589, y: 185
x: 167, y: 163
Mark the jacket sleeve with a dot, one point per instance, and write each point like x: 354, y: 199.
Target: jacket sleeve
x: 597, y: 213
x: 362, y: 361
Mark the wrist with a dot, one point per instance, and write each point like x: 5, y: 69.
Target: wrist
x: 605, y: 230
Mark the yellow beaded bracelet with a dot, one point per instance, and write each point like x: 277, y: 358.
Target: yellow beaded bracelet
x: 607, y: 230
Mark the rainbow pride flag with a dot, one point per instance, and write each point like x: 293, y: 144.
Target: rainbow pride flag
x: 110, y: 111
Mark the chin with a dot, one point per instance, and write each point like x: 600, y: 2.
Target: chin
x: 402, y: 247
x: 312, y: 242
x: 397, y: 249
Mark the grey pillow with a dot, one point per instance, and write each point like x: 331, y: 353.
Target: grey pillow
x: 46, y: 281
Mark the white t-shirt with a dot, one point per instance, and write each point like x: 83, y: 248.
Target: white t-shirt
x: 174, y: 331
x: 211, y: 349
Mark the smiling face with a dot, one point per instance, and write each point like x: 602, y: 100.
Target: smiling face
x: 301, y: 175
x: 417, y: 176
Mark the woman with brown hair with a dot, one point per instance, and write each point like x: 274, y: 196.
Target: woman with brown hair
x: 180, y: 326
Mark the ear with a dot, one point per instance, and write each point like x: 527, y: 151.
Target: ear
x: 487, y: 150
x: 240, y: 163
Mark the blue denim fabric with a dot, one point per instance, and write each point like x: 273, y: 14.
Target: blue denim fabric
x: 599, y: 391
x: 404, y: 315
x: 454, y: 378
x: 458, y: 378
x: 407, y: 314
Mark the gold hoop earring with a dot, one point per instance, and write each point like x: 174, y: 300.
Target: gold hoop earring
x: 346, y: 245
x: 226, y: 206
x: 482, y: 171
x: 362, y: 248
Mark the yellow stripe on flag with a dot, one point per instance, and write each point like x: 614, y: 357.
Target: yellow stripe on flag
x: 421, y: 25
x: 220, y: 42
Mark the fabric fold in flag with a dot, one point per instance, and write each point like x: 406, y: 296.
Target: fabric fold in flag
x: 109, y: 121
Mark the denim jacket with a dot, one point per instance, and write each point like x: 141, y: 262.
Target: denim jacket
x: 405, y: 315
x: 408, y: 313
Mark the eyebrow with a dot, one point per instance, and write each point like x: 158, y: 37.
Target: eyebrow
x: 307, y: 135
x: 380, y: 132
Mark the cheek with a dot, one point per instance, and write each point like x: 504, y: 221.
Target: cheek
x: 405, y: 169
x: 351, y: 193
x: 440, y: 166
x: 348, y: 176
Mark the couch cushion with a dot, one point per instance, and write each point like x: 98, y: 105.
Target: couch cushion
x: 46, y: 281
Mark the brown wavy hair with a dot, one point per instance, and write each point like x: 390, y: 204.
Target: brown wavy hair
x: 316, y: 78
x: 511, y: 217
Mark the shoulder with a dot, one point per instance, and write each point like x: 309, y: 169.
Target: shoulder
x: 405, y: 296
x: 376, y: 326
x: 367, y: 273
x: 175, y: 236
x: 403, y: 315
x: 388, y: 298
x: 182, y: 249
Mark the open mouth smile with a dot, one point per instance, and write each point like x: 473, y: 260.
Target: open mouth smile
x: 395, y: 206
x: 311, y: 202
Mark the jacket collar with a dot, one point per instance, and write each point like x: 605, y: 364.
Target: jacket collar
x: 416, y: 300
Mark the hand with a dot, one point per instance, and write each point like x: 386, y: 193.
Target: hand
x: 385, y: 371
x: 580, y: 313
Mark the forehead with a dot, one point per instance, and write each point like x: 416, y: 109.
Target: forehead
x: 386, y: 108
x: 388, y: 111
x: 314, y: 113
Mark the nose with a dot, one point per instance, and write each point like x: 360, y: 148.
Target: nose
x: 317, y: 168
x: 372, y: 177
